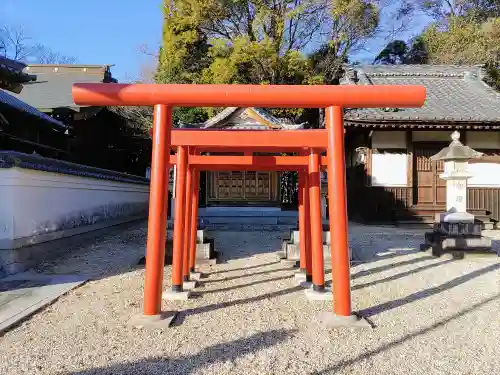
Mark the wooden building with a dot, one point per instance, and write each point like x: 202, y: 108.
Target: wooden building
x: 24, y: 128
x: 390, y: 176
x: 99, y: 136
x: 243, y: 188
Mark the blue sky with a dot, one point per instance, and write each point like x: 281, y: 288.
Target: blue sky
x: 109, y: 31
x: 93, y: 31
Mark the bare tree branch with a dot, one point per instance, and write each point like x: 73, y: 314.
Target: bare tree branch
x: 15, y: 44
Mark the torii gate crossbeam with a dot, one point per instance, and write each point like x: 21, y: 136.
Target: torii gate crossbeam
x: 332, y: 98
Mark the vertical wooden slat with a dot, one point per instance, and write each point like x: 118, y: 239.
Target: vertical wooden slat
x: 484, y: 199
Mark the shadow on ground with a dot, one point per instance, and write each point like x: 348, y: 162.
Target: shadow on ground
x: 386, y: 306
x: 188, y: 364
x: 342, y: 366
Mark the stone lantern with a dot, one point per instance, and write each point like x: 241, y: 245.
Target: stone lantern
x: 456, y: 160
x: 456, y: 231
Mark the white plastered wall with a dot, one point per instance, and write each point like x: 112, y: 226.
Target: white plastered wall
x: 389, y: 168
x: 37, y: 203
x: 484, y: 174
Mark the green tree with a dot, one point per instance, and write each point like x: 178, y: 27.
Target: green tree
x: 440, y: 10
x: 463, y: 32
x: 262, y: 42
x: 400, y: 52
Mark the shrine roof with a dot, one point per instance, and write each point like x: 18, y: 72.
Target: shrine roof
x: 245, y: 118
x: 455, y: 94
x: 53, y: 86
x: 12, y: 74
x: 6, y: 99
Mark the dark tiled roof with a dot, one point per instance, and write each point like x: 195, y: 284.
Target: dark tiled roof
x: 12, y: 74
x: 11, y: 159
x: 454, y: 93
x: 13, y: 102
x: 52, y: 88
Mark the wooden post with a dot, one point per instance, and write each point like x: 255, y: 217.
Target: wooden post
x: 318, y: 274
x: 337, y: 203
x: 302, y: 221
x: 158, y: 207
x: 178, y: 254
x: 187, y: 221
x: 194, y: 219
x: 307, y: 228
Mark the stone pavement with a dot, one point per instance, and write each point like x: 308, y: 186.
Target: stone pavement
x: 24, y: 293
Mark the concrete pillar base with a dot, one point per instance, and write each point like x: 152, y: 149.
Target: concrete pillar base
x: 324, y: 295
x: 160, y: 321
x: 331, y: 320
x: 290, y: 262
x: 281, y: 255
x: 205, y: 262
x: 189, y: 285
x: 170, y: 295
x: 196, y: 276
x: 300, y: 277
x: 305, y: 284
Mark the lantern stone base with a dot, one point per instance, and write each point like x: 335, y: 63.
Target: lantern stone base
x: 457, y: 238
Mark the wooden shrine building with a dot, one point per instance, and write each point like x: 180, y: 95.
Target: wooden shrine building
x: 99, y: 136
x: 243, y: 188
x: 23, y: 128
x: 390, y: 175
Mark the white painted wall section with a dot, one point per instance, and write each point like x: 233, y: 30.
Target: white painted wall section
x: 484, y: 175
x: 390, y: 169
x: 35, y: 203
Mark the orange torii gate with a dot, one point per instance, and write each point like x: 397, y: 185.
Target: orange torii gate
x: 164, y: 97
x: 311, y: 264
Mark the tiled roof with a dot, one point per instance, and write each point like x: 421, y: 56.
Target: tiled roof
x: 13, y: 102
x: 52, y: 89
x: 234, y: 111
x: 12, y: 74
x: 454, y: 93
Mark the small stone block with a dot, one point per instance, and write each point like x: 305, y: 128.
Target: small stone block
x: 300, y: 277
x: 206, y: 262
x: 305, y: 284
x: 281, y: 254
x: 196, y: 276
x: 313, y: 295
x: 290, y: 262
x: 189, y: 285
x: 331, y: 320
x: 160, y: 321
x: 170, y: 295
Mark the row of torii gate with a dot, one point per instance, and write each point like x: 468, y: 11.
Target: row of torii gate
x: 190, y: 143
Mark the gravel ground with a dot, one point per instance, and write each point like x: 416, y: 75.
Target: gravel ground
x: 431, y: 316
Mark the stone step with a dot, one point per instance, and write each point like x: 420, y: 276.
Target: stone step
x: 295, y: 238
x: 262, y: 220
x: 292, y: 252
x: 235, y: 227
x: 245, y: 212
